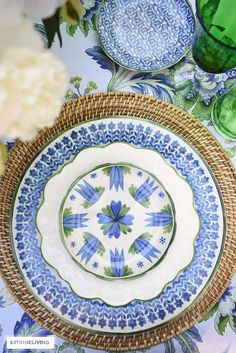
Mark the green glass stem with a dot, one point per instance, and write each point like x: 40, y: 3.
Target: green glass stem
x: 224, y: 115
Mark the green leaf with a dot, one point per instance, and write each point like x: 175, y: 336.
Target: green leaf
x: 84, y: 27
x: 67, y: 231
x: 128, y: 271
x: 132, y: 249
x: 67, y: 212
x: 145, y: 203
x: 101, y: 249
x: 86, y: 204
x: 146, y: 235
x: 108, y: 272
x: 107, y: 170
x: 107, y: 211
x: 94, y: 22
x: 124, y: 210
x: 87, y: 236
x: 52, y: 27
x: 230, y: 151
x: 168, y: 228
x: 124, y: 228
x: 211, y: 312
x: 167, y: 209
x: 106, y: 228
x: 71, y: 29
x: 132, y: 190
x: 232, y: 322
x: 221, y: 324
x: 126, y: 169
x: 100, y: 190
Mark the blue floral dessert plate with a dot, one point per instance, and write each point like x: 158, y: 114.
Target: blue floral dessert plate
x: 146, y: 35
x: 132, y: 186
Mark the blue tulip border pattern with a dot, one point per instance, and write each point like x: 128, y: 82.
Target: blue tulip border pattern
x: 93, y: 313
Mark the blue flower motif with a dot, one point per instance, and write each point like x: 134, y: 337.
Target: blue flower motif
x: 142, y: 246
x: 162, y: 240
x: 116, y: 175
x: 140, y: 264
x: 89, y: 248
x: 91, y: 8
x: 139, y: 173
x: 72, y: 221
x: 89, y: 193
x: 159, y: 219
x: 161, y: 194
x: 143, y: 192
x: 95, y: 264
x: 72, y: 197
x: 115, y: 219
x: 117, y: 263
x: 93, y: 175
x: 72, y: 244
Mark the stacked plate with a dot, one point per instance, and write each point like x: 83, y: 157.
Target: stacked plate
x: 117, y: 227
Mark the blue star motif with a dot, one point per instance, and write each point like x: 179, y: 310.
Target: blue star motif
x: 72, y: 244
x: 140, y: 264
x: 72, y: 197
x: 162, y: 240
x: 162, y: 194
x: 95, y: 265
x: 139, y: 173
x: 93, y: 175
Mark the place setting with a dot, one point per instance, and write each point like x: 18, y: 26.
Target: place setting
x: 117, y: 221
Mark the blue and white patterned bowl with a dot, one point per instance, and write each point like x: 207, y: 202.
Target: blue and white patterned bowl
x: 146, y: 35
x: 93, y: 314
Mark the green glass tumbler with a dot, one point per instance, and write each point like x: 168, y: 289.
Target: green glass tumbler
x: 214, y: 40
x: 224, y: 115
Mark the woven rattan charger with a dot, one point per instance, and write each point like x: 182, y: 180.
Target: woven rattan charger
x: 125, y: 104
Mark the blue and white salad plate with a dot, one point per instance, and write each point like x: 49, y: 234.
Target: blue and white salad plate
x: 82, y: 194
x: 146, y: 35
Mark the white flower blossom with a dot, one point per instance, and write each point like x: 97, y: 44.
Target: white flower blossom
x: 11, y: 11
x: 32, y: 84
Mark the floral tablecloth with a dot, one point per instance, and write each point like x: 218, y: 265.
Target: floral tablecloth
x: 184, y: 85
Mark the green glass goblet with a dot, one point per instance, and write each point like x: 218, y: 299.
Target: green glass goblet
x: 224, y: 115
x: 214, y: 40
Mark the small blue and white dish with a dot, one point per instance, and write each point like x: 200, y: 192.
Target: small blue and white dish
x: 146, y: 35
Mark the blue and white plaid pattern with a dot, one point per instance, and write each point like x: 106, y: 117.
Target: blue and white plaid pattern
x: 146, y: 249
x: 88, y: 192
x: 117, y: 263
x: 159, y: 219
x: 89, y: 249
x: 75, y: 220
x: 145, y: 191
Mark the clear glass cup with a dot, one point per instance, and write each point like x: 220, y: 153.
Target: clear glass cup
x: 214, y: 41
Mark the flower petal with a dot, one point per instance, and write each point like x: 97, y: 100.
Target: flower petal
x: 116, y: 207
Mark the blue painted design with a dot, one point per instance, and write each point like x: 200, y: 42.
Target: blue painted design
x: 73, y: 197
x: 162, y: 240
x: 95, y: 265
x: 159, y: 219
x: 116, y: 175
x: 72, y: 244
x: 93, y: 175
x: 90, y: 247
x: 89, y: 193
x: 47, y: 283
x: 145, y: 248
x: 143, y: 192
x: 140, y: 264
x: 141, y: 36
x: 75, y: 220
x: 139, y: 173
x: 161, y: 194
x: 115, y: 219
x: 117, y: 263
